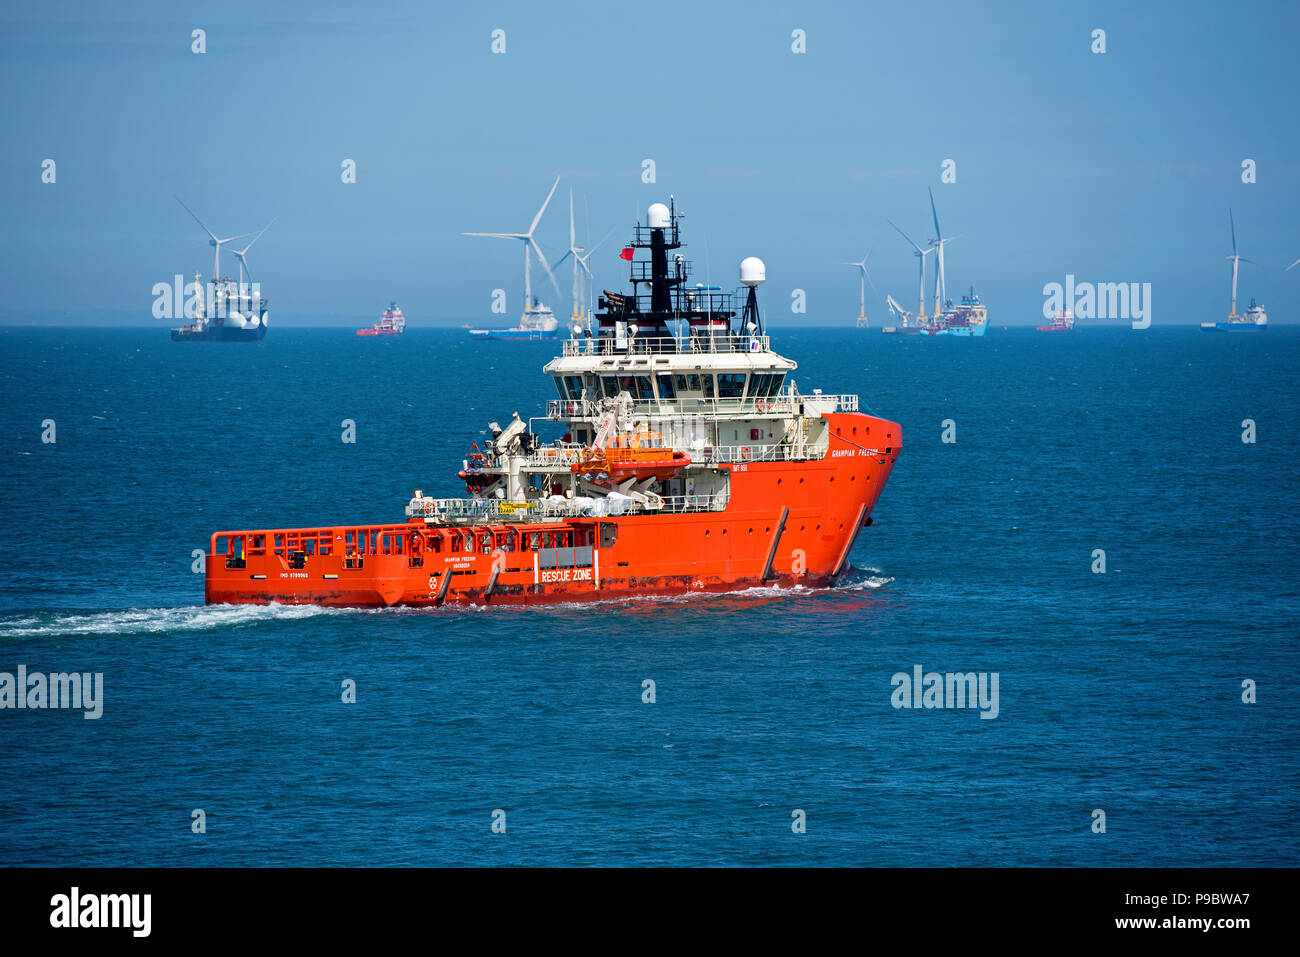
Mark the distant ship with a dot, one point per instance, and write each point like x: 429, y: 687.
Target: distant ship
x: 537, y: 322
x: 968, y: 319
x: 1255, y: 319
x: 237, y: 310
x: 905, y: 327
x: 391, y: 323
x: 236, y: 317
x: 1061, y: 322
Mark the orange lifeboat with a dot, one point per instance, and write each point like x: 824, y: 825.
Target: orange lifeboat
x: 640, y: 456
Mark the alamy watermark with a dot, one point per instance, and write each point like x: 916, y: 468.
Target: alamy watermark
x: 37, y: 690
x: 179, y: 299
x: 931, y: 689
x: 1103, y: 300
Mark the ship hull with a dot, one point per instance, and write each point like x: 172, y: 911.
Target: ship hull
x: 378, y: 332
x: 1232, y: 327
x: 215, y: 333
x: 513, y: 333
x: 963, y: 331
x: 785, y: 523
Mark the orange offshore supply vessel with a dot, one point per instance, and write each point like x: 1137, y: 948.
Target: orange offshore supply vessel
x: 691, y: 463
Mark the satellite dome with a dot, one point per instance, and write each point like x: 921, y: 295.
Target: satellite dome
x: 752, y: 271
x: 658, y: 216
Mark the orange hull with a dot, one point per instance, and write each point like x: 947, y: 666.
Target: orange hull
x: 785, y: 522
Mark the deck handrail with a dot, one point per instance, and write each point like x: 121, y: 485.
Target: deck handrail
x: 560, y: 410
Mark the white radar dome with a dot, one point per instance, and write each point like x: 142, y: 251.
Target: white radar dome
x: 658, y: 216
x: 752, y: 271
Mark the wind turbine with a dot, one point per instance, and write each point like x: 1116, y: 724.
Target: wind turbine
x: 920, y: 254
x: 241, y: 253
x: 530, y: 246
x: 581, y: 255
x: 578, y: 264
x: 940, y: 279
x: 587, y: 269
x: 864, y: 278
x: 1235, y: 258
x: 216, y: 241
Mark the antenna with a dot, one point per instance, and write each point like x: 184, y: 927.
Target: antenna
x: 752, y: 274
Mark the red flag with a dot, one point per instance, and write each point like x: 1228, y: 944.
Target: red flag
x: 626, y: 254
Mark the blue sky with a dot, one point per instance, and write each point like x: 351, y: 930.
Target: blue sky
x: 1113, y: 167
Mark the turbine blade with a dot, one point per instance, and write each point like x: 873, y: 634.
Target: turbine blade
x: 545, y: 265
x: 597, y: 246
x: 499, y: 235
x: 1292, y: 266
x: 1233, y: 226
x: 905, y: 236
x: 197, y: 220
x: 538, y: 218
x: 240, y: 252
x: 935, y: 212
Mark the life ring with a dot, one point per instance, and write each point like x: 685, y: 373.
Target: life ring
x: 760, y: 405
x: 744, y: 452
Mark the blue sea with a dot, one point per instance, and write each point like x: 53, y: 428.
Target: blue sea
x: 1119, y: 691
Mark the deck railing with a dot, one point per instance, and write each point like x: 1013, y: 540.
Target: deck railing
x: 818, y: 403
x: 471, y: 511
x: 654, y: 345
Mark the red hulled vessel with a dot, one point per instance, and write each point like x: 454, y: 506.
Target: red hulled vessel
x: 391, y: 323
x: 690, y: 462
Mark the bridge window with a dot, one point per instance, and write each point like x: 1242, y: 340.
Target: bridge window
x: 574, y: 384
x: 609, y: 386
x: 666, y: 390
x: 731, y: 385
x: 687, y: 383
x: 707, y: 381
x: 774, y: 386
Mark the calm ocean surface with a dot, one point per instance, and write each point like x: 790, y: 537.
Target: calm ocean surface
x: 1118, y: 691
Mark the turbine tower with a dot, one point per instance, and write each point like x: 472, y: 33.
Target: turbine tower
x: 587, y: 269
x: 530, y: 246
x: 215, y: 241
x: 578, y: 264
x: 864, y: 278
x: 920, y: 254
x: 940, y: 278
x: 580, y: 255
x: 1235, y: 258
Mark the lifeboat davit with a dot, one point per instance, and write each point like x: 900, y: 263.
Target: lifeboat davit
x: 639, y: 456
